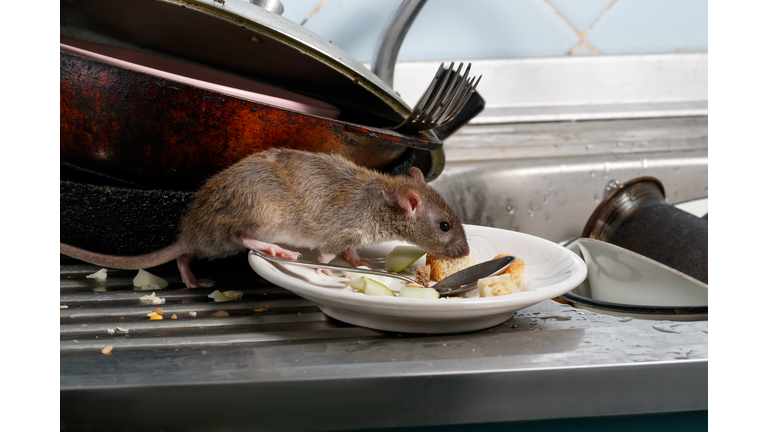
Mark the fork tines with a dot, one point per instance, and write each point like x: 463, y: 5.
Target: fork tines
x: 443, y: 100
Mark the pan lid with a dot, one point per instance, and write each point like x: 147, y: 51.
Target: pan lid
x: 239, y: 37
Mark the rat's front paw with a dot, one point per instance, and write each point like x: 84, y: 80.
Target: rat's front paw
x: 351, y: 256
x: 323, y: 272
x: 286, y: 254
x: 360, y: 262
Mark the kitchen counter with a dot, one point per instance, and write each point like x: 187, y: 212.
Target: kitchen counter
x: 278, y: 363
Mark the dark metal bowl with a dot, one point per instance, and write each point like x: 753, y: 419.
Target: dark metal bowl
x: 635, y: 216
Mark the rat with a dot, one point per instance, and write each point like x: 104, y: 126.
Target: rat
x: 301, y: 199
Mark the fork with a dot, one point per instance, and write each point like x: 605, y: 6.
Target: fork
x: 460, y: 282
x: 442, y: 101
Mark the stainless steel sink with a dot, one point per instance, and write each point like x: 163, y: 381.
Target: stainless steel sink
x: 278, y: 360
x: 545, y: 179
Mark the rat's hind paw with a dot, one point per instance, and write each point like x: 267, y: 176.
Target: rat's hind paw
x: 267, y: 248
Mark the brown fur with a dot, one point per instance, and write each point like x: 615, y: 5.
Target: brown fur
x: 317, y: 201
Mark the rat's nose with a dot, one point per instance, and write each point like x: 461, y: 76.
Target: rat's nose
x: 458, y: 249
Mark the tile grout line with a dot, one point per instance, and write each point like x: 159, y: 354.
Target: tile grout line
x: 314, y: 11
x: 582, y: 35
x: 599, y: 17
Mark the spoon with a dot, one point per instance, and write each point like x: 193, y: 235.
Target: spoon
x: 458, y: 283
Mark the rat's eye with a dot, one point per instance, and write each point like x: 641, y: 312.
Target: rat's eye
x: 445, y: 226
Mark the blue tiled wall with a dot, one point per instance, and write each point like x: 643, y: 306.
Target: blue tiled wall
x: 453, y: 29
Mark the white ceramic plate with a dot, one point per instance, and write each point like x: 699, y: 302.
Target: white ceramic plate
x: 618, y: 275
x: 551, y: 271
x: 697, y: 207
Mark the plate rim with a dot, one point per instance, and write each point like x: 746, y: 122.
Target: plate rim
x: 498, y: 304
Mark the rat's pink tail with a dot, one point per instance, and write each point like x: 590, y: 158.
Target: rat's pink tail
x: 151, y: 259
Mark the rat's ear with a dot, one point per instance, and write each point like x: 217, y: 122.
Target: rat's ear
x: 409, y: 199
x: 416, y: 173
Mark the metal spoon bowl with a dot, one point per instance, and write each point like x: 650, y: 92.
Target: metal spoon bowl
x: 456, y: 284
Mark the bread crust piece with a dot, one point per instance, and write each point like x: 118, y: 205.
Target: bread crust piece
x: 423, y: 273
x: 516, y: 270
x: 443, y: 266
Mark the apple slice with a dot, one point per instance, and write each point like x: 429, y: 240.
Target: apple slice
x: 401, y: 257
x: 372, y: 287
x: 416, y: 292
x: 233, y: 295
x: 99, y: 275
x: 218, y: 296
x: 356, y: 279
x: 146, y: 278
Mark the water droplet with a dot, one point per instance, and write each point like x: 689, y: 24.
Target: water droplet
x: 637, y: 352
x: 665, y: 329
x: 643, y: 359
x: 605, y: 176
x: 557, y: 318
x: 511, y: 209
x: 589, y: 146
x: 591, y: 173
x: 530, y: 213
x: 610, y: 186
x: 680, y: 355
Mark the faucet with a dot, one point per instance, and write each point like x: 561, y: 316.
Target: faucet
x: 385, y: 54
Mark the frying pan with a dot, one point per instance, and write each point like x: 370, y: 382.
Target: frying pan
x: 159, y: 130
x: 241, y: 38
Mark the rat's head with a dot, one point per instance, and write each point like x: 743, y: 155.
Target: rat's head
x: 426, y: 219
